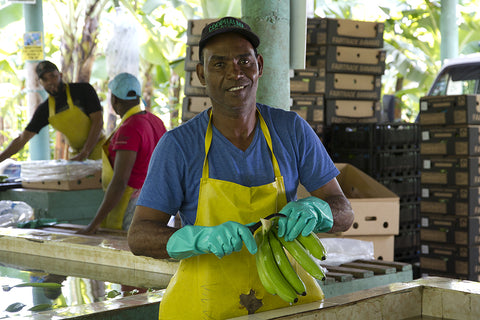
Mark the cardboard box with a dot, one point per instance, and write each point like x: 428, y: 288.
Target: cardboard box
x: 465, y: 267
x: 451, y: 170
x: 460, y: 201
x: 376, y: 208
x: 346, y: 59
x: 455, y: 109
x: 450, y: 229
x: 450, y: 250
x: 451, y: 258
x: 310, y: 81
x: 352, y: 111
x: 309, y: 107
x: 192, y: 58
x: 450, y: 140
x: 193, y: 86
x: 343, y: 32
x: 93, y: 181
x: 192, y: 106
x: 349, y: 86
x: 194, y: 30
x: 434, y: 273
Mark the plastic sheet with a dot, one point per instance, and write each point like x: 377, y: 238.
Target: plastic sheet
x: 58, y: 170
x: 14, y: 212
x: 342, y: 250
x: 122, y: 51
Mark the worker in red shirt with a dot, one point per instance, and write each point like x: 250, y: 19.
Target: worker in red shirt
x: 126, y: 155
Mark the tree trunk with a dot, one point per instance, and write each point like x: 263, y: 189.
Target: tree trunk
x: 78, y: 55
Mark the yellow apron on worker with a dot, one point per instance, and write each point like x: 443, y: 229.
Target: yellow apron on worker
x: 74, y: 124
x: 206, y: 287
x: 114, y: 219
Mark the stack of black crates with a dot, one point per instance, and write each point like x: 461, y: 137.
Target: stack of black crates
x: 450, y: 186
x: 389, y: 153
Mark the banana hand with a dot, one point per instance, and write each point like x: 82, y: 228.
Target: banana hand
x: 285, y: 266
x: 269, y: 273
x: 313, y: 245
x: 300, y: 254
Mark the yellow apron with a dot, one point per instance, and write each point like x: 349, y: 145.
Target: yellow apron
x: 74, y: 124
x: 114, y: 219
x: 205, y: 287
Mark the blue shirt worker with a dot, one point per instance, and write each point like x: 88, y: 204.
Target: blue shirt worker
x: 231, y: 165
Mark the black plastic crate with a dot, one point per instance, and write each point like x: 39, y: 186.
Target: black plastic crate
x: 409, y: 213
x: 381, y: 163
x: 404, y: 187
x: 407, y: 239
x: 385, y: 136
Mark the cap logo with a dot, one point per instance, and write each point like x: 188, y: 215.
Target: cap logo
x: 226, y: 23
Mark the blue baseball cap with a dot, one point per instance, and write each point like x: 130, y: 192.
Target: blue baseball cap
x: 125, y: 86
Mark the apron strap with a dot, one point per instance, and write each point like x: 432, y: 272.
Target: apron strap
x: 51, y: 101
x: 134, y: 110
x: 266, y: 133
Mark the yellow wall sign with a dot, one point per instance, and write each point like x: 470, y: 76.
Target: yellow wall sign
x: 33, y: 46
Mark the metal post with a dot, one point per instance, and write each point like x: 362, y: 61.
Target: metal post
x: 448, y: 30
x: 298, y: 33
x: 270, y: 19
x: 39, y: 145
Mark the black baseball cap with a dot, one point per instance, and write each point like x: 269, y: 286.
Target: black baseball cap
x: 45, y: 66
x: 224, y: 25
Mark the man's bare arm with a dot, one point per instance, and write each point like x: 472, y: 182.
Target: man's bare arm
x: 342, y: 211
x: 148, y: 234
x: 16, y: 145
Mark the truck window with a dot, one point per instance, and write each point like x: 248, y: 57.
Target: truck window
x: 457, y: 80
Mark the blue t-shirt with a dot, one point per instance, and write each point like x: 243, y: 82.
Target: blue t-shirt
x: 175, y: 169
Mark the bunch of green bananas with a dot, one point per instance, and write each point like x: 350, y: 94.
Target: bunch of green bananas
x: 273, y: 265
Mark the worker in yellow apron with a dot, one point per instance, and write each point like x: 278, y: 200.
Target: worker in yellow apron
x: 75, y: 126
x: 125, y: 155
x: 214, y: 286
x: 217, y: 276
x: 114, y: 219
x: 81, y: 125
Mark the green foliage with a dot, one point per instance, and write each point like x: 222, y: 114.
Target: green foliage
x: 10, y: 13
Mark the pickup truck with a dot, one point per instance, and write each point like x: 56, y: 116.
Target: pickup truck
x: 458, y: 76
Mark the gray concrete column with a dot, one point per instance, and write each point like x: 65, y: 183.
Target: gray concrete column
x: 270, y: 19
x: 448, y: 29
x: 39, y: 145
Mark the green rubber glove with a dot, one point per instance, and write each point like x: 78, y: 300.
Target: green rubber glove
x: 220, y: 240
x: 304, y: 216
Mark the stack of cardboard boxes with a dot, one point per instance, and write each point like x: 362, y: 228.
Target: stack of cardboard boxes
x: 342, y: 78
x: 450, y: 186
x: 196, y: 99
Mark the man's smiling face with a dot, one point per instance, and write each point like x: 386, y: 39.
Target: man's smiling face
x: 231, y: 71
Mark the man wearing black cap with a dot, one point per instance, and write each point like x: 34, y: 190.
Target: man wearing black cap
x: 71, y: 108
x: 231, y: 165
x: 126, y: 155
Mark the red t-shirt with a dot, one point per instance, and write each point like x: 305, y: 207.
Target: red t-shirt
x: 139, y: 133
